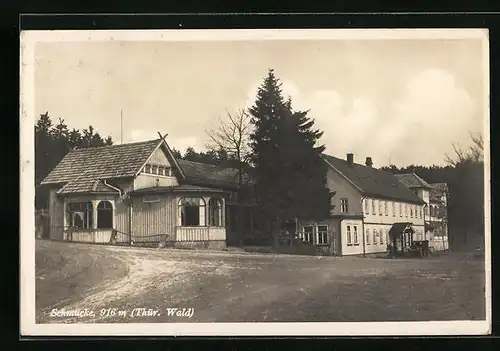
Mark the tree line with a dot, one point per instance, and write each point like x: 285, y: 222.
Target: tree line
x: 464, y: 175
x: 281, y: 148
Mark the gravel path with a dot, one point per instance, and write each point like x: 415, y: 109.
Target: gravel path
x: 122, y: 284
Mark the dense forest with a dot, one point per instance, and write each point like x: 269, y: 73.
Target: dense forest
x: 464, y: 175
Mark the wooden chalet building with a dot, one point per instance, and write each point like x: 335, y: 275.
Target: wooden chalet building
x: 139, y: 193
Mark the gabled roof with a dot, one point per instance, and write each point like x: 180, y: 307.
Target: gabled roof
x: 412, y: 180
x: 373, y: 182
x: 102, y: 162
x: 80, y: 169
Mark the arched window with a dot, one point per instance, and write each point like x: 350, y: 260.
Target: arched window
x: 192, y: 211
x: 80, y: 214
x: 216, y: 209
x: 105, y: 215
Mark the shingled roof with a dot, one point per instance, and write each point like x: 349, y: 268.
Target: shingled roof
x: 103, y: 162
x: 209, y: 175
x: 373, y: 182
x: 412, y: 180
x: 80, y: 170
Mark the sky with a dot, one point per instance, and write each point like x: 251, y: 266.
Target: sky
x: 400, y: 102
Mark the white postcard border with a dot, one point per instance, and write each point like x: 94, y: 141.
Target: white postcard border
x: 28, y: 327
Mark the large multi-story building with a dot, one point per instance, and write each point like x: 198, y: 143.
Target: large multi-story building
x: 435, y: 209
x: 371, y: 208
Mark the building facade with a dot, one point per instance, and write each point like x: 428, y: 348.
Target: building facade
x: 368, y: 206
x: 139, y: 193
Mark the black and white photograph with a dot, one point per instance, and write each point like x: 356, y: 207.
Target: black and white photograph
x: 255, y: 182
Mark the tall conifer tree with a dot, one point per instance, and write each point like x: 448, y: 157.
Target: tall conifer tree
x: 290, y: 172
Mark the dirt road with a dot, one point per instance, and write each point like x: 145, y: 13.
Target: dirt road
x: 120, y: 284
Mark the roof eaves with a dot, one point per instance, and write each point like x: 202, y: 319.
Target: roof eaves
x: 342, y: 174
x: 138, y: 169
x: 62, y: 189
x: 160, y: 142
x: 416, y: 200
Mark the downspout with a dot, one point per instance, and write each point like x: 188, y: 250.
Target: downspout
x: 363, y: 226
x: 425, y: 232
x: 113, y: 187
x: 130, y: 208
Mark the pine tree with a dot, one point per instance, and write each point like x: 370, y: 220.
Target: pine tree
x: 290, y: 172
x: 43, y: 145
x: 52, y: 143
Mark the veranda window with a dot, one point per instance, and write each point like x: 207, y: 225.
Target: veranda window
x: 322, y: 234
x: 215, y: 208
x: 308, y: 234
x: 356, y: 240
x: 192, y: 211
x: 105, y: 215
x: 80, y: 214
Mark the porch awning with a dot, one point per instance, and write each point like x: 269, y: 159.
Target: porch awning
x: 400, y: 228
x: 177, y: 189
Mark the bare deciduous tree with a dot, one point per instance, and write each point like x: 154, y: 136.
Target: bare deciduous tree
x: 474, y: 153
x: 232, y: 136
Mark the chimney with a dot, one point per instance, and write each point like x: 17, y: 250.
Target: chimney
x: 350, y: 159
x: 369, y: 162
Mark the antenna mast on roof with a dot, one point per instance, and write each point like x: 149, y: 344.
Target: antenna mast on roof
x: 121, y: 126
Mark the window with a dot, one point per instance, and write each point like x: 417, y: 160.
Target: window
x: 367, y: 236
x: 373, y: 207
x: 215, y: 209
x: 147, y: 169
x: 322, y: 234
x: 154, y: 169
x: 380, y: 207
x: 400, y: 210
x: 381, y: 237
x: 420, y: 212
x: 367, y: 206
x: 168, y: 171
x: 406, y: 210
x: 386, y: 208
x: 411, y: 211
x: 308, y: 234
x: 393, y: 209
x: 387, y: 236
x: 349, y: 238
x: 343, y: 206
x: 356, y: 240
x: 192, y: 211
x: 80, y: 214
x: 375, y: 233
x: 105, y: 215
